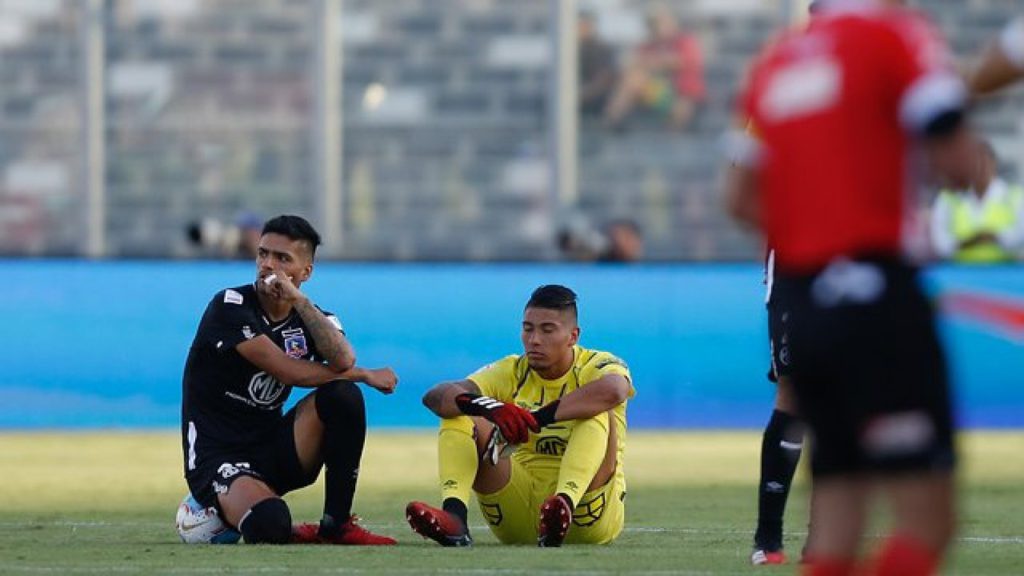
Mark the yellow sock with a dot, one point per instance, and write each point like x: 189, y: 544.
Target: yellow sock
x: 457, y: 458
x: 583, y: 456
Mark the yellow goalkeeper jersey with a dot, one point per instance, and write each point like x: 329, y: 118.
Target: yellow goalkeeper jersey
x: 511, y: 380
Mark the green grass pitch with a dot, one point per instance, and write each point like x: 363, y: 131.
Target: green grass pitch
x: 104, y: 503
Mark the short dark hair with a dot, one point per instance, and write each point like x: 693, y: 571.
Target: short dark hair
x: 294, y: 227
x: 553, y: 297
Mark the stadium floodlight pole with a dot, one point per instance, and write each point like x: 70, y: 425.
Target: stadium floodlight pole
x: 563, y: 100
x: 326, y: 123
x: 92, y: 92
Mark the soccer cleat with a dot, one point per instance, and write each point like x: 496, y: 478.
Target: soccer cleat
x: 555, y: 516
x: 306, y: 534
x: 438, y: 525
x: 760, y: 557
x: 348, y: 534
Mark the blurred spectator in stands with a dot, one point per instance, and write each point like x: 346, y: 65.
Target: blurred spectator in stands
x: 579, y: 241
x: 238, y: 239
x: 619, y: 241
x: 250, y: 227
x: 596, y: 69
x: 624, y: 241
x: 983, y: 224
x: 665, y: 74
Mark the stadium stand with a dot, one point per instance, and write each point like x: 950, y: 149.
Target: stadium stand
x: 445, y: 104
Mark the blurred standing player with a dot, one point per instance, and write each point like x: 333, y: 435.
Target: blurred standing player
x: 783, y: 437
x: 782, y: 441
x: 254, y: 343
x: 1002, y: 63
x: 564, y: 408
x: 838, y: 105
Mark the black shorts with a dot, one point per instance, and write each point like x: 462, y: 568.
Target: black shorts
x: 871, y: 379
x: 275, y: 462
x: 778, y: 338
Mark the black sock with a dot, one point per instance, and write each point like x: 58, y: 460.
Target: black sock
x: 340, y: 407
x: 268, y: 522
x: 778, y: 464
x: 457, y: 508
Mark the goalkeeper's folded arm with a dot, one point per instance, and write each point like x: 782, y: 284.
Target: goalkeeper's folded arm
x: 514, y: 422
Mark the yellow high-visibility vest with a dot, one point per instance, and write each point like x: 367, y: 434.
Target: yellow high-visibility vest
x: 995, y: 217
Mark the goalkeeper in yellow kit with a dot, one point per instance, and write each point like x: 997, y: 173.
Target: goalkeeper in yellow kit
x: 560, y: 411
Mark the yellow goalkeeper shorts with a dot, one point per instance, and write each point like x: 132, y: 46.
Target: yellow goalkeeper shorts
x: 513, y: 513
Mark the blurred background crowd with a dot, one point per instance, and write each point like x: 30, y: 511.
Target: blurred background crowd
x: 480, y: 130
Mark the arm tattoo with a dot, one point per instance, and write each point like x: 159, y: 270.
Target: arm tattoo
x: 328, y: 340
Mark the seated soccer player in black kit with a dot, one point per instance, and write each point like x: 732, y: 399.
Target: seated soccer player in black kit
x: 254, y: 344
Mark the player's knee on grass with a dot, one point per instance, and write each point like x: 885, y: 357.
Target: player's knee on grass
x: 268, y: 522
x: 339, y: 401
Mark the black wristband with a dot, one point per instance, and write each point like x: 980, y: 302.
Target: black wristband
x: 545, y: 415
x: 476, y: 405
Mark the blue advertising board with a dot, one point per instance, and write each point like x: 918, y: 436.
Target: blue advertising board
x: 102, y: 344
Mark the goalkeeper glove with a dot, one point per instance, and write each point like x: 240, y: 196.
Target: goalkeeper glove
x: 514, y: 422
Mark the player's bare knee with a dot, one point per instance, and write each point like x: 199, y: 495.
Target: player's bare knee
x: 268, y: 522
